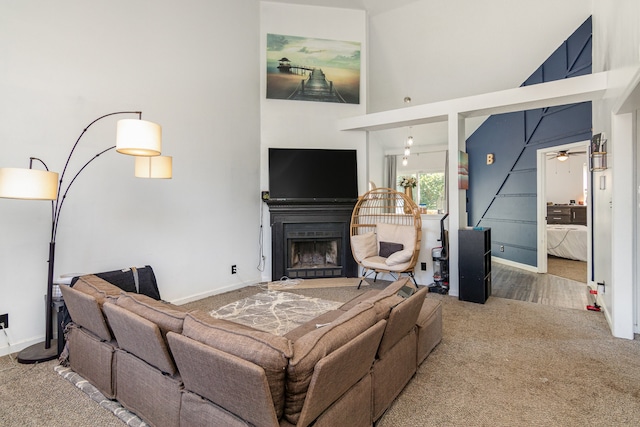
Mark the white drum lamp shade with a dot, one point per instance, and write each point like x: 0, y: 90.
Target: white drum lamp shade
x: 138, y: 138
x: 133, y: 137
x: 154, y: 167
x: 30, y: 184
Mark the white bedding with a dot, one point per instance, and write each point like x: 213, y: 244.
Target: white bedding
x: 567, y: 241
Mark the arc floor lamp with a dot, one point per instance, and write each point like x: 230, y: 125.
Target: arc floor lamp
x: 135, y: 137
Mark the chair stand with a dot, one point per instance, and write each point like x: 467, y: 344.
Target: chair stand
x: 375, y: 277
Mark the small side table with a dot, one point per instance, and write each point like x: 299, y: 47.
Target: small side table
x: 57, y: 304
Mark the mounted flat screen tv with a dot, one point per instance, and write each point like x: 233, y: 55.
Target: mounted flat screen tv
x: 300, y: 174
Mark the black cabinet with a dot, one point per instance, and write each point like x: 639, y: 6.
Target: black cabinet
x: 474, y: 264
x: 566, y: 214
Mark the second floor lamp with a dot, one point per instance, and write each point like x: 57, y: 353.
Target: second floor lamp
x: 134, y: 137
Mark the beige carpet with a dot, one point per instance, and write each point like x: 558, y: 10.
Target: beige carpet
x: 333, y: 282
x: 567, y: 268
x: 503, y: 363
x: 514, y: 363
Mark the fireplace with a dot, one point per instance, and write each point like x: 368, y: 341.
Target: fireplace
x: 313, y: 250
x: 311, y: 240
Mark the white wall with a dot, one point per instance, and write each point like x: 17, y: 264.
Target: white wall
x: 308, y: 124
x: 616, y: 49
x: 192, y: 67
x: 434, y: 50
x: 565, y: 179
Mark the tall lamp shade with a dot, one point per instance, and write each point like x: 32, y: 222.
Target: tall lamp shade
x: 154, y: 167
x: 30, y: 184
x: 138, y: 137
x: 133, y: 137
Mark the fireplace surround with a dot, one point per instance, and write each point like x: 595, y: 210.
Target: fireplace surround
x: 311, y: 239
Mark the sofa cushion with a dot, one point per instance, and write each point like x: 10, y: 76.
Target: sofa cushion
x: 364, y: 245
x: 313, y: 324
x: 85, y: 311
x: 228, y: 381
x: 383, y: 300
x: 388, y: 248
x: 391, y: 374
x: 147, y: 392
x: 312, y: 347
x: 357, y: 299
x: 387, y: 298
x: 93, y: 359
x: 352, y: 409
x: 140, y: 337
x: 167, y: 316
x: 336, y: 373
x: 402, y: 319
x: 196, y: 411
x: 266, y: 350
x: 98, y: 288
x: 429, y: 328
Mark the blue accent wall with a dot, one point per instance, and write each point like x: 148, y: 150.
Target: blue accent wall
x: 503, y: 195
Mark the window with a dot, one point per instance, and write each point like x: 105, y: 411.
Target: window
x: 430, y: 192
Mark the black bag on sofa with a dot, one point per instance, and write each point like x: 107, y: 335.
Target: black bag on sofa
x: 137, y: 280
x: 134, y: 279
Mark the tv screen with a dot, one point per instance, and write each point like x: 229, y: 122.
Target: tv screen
x: 312, y: 174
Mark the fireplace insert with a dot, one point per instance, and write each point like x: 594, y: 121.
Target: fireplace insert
x: 311, y: 240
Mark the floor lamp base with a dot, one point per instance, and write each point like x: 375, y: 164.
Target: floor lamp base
x: 37, y: 353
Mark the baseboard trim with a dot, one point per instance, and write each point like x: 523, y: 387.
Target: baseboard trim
x: 510, y: 263
x: 212, y: 292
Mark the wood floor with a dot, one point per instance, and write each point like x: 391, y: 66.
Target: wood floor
x: 514, y: 283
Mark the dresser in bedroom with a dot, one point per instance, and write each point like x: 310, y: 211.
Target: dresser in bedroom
x: 567, y: 214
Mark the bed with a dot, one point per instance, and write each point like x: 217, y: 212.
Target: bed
x: 567, y: 241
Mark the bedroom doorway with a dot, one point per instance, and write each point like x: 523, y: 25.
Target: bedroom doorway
x: 564, y: 209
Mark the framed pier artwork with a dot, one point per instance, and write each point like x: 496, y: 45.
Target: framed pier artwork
x: 309, y: 69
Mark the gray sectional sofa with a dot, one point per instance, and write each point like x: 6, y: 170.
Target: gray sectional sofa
x: 177, y: 368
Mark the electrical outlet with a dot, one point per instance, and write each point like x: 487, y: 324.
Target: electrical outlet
x: 4, y: 319
x: 234, y: 269
x: 423, y: 266
x: 501, y: 248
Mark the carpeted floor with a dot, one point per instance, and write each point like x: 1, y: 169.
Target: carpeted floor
x: 503, y: 363
x: 567, y: 268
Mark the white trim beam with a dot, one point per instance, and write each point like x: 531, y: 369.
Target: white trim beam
x: 559, y: 92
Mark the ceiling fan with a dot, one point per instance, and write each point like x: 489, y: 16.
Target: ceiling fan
x: 563, y: 155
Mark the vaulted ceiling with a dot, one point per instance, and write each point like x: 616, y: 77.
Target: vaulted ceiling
x: 431, y: 50
x: 371, y: 6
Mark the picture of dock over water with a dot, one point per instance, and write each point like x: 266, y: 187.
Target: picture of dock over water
x: 307, y: 69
